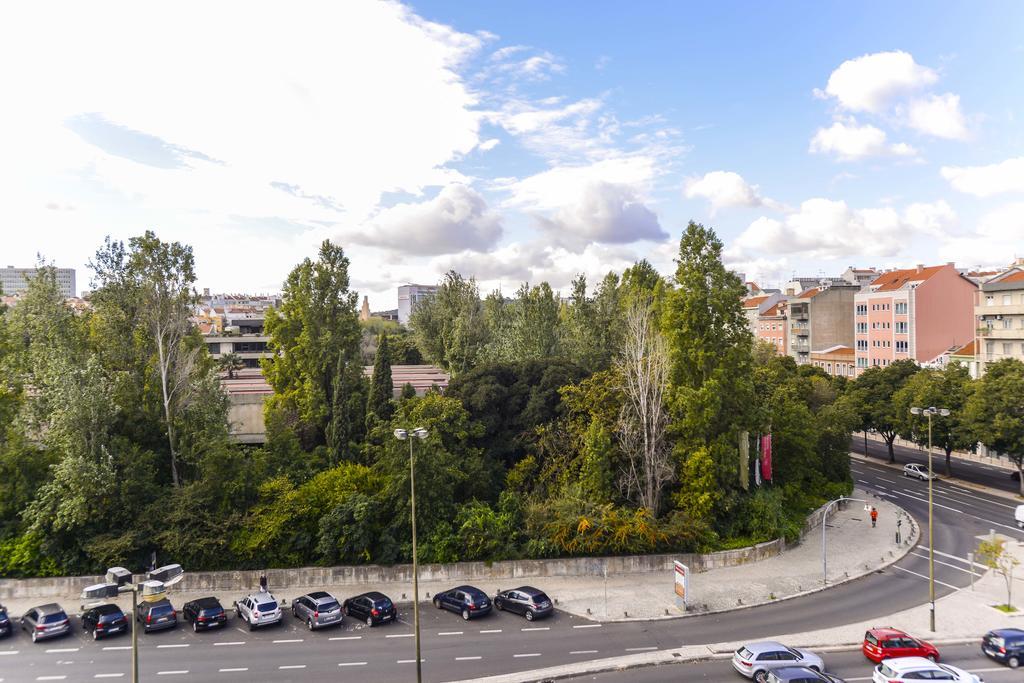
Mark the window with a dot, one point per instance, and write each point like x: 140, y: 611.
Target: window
x: 990, y: 301
x: 862, y: 344
x: 901, y: 328
x: 902, y: 347
x: 1007, y: 350
x: 1007, y: 323
x: 862, y: 309
x: 901, y: 308
x: 1007, y: 299
x: 862, y: 362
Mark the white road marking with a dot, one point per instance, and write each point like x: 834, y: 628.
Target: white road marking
x: 241, y: 668
x: 946, y: 564
x: 232, y: 642
x: 289, y: 640
x: 959, y: 492
x: 909, y: 494
x: 587, y: 626
x: 292, y: 666
x: 536, y: 628
x: 12, y: 652
x: 491, y: 630
x: 467, y: 659
x: 583, y: 652
x: 528, y: 654
x: 50, y: 678
x: 180, y: 672
x: 641, y: 649
x: 108, y: 675
x: 408, y: 661
x: 922, y: 576
x: 62, y: 649
x: 345, y: 638
x: 118, y: 647
x: 351, y: 663
x: 399, y: 635
x: 959, y: 559
x: 450, y: 633
x: 163, y: 646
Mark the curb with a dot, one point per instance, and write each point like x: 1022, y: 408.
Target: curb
x: 955, y: 481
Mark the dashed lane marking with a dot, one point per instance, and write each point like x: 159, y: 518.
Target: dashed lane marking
x: 536, y: 628
x: 351, y: 663
x: 233, y: 670
x: 922, y: 576
x: 528, y: 654
x: 10, y: 652
x: 450, y: 633
x: 399, y: 635
x: 166, y: 646
x: 909, y: 494
x: 118, y: 647
x: 641, y: 649
x: 55, y: 650
x: 179, y: 672
x: 959, y: 559
x: 50, y: 678
x: 292, y: 666
x: 345, y: 638
x: 491, y: 630
x: 108, y: 675
x: 583, y: 652
x: 587, y: 626
x: 289, y: 640
x: 467, y: 659
x: 408, y: 661
x: 230, y: 642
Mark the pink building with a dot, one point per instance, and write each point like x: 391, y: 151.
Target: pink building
x: 916, y: 313
x: 771, y: 327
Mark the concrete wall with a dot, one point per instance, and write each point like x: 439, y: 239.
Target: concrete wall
x: 245, y: 415
x: 832, y: 318
x: 234, y: 581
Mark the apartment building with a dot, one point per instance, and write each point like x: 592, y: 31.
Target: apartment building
x: 234, y: 324
x: 915, y: 313
x: 409, y: 296
x: 772, y: 327
x: 821, y: 317
x: 1000, y: 317
x: 838, y: 361
x: 754, y: 306
x: 859, y: 276
x: 15, y: 280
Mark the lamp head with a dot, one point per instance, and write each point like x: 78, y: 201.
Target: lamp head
x: 944, y: 412
x: 915, y: 411
x: 401, y: 434
x: 420, y: 433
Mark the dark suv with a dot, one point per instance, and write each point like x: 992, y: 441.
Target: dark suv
x: 531, y: 602
x: 104, y: 620
x: 465, y: 600
x: 204, y: 613
x: 800, y: 674
x: 373, y: 608
x: 1005, y: 645
x: 46, y: 621
x: 156, y: 616
x: 5, y: 622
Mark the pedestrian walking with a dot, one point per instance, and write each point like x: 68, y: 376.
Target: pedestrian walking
x: 874, y: 516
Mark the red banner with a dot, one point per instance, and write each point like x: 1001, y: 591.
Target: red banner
x: 766, y: 457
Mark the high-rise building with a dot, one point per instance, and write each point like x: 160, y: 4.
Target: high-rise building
x: 821, y: 318
x: 15, y: 280
x: 409, y: 296
x: 1000, y: 316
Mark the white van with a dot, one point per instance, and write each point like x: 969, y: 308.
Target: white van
x: 1018, y: 515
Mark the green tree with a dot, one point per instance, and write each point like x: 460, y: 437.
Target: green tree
x: 995, y: 413
x: 877, y: 387
x: 230, y: 363
x: 315, y: 338
x: 379, y: 404
x: 947, y: 388
x: 408, y: 391
x: 994, y: 555
x: 449, y: 327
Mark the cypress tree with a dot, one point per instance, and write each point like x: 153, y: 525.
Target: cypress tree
x: 378, y: 402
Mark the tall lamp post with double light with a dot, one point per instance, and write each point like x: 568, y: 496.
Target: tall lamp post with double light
x: 119, y: 580
x: 403, y: 435
x: 930, y: 412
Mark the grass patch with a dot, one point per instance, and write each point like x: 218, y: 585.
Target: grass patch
x: 1009, y: 609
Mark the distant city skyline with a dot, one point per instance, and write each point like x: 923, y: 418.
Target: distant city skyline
x: 518, y: 142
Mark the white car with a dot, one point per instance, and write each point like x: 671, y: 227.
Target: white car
x: 914, y: 669
x: 916, y: 471
x: 259, y: 609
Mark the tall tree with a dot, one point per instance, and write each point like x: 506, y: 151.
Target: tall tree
x: 449, y: 328
x: 315, y: 337
x: 379, y: 404
x: 995, y: 411
x: 877, y: 387
x: 947, y: 388
x: 535, y: 324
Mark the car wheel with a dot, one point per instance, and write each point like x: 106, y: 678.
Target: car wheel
x: 465, y: 615
x: 814, y: 669
x: 33, y: 636
x: 437, y: 603
x: 1013, y: 662
x: 344, y: 610
x: 195, y: 627
x: 761, y: 676
x: 369, y: 621
x: 95, y: 635
x: 529, y: 615
x: 498, y: 605
x: 252, y: 626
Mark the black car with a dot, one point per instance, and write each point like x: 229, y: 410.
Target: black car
x: 465, y: 600
x: 204, y: 613
x: 531, y: 602
x: 103, y: 621
x: 800, y: 674
x: 156, y: 616
x: 373, y: 608
x: 1005, y: 645
x: 5, y: 622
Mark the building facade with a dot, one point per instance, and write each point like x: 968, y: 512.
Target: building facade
x: 821, y: 317
x: 409, y: 296
x: 772, y: 327
x: 915, y: 313
x: 1000, y: 317
x: 234, y: 324
x: 15, y: 280
x: 838, y: 361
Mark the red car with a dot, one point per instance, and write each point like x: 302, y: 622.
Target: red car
x: 888, y: 643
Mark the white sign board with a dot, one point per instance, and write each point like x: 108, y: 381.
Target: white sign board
x: 682, y: 574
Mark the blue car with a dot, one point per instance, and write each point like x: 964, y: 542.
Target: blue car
x: 468, y: 601
x: 1005, y: 645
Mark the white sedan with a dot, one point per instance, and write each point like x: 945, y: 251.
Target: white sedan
x: 913, y: 669
x: 916, y: 471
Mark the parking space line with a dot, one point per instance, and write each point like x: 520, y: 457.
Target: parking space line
x: 467, y: 659
x: 583, y: 652
x: 641, y: 649
x: 528, y: 654
x: 230, y: 642
x: 345, y: 638
x: 180, y: 645
x: 240, y: 668
x: 351, y: 663
x: 587, y: 626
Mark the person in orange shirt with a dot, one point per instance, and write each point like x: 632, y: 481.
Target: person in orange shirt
x: 874, y: 516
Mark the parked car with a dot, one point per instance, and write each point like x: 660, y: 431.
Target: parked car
x: 157, y: 616
x: 916, y: 471
x: 531, y: 602
x: 5, y: 623
x: 317, y: 609
x: 1005, y: 645
x: 465, y: 600
x: 373, y: 608
x: 913, y: 669
x: 204, y: 614
x: 801, y: 674
x: 1018, y: 515
x: 46, y: 621
x: 259, y: 609
x: 104, y: 620
x: 757, y: 660
x: 889, y: 643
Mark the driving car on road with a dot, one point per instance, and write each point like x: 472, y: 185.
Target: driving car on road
x: 757, y: 660
x: 46, y: 621
x: 916, y: 471
x: 801, y: 674
x: 1005, y: 645
x: 468, y: 601
x: 259, y: 609
x: 531, y: 602
x: 204, y: 614
x: 104, y: 620
x: 317, y: 609
x: 889, y: 643
x: 913, y: 669
x: 157, y: 616
x: 373, y: 608
x: 5, y: 622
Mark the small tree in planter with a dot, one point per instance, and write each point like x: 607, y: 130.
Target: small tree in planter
x: 994, y: 555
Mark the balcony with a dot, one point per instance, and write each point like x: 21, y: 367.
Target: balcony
x: 1011, y: 309
x: 800, y: 346
x: 1000, y: 333
x: 799, y: 330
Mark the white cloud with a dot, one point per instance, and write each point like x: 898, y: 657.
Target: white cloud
x: 986, y: 181
x: 999, y: 237
x: 488, y: 145
x: 458, y: 218
x: 724, y: 189
x: 852, y: 141
x: 939, y: 116
x: 935, y: 219
x: 870, y: 82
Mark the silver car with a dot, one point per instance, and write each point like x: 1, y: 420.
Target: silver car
x: 756, y: 660
x: 46, y: 621
x: 317, y: 609
x: 259, y: 609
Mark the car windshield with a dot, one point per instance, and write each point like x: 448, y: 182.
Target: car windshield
x: 885, y: 670
x: 161, y: 609
x: 210, y: 611
x: 53, y: 618
x: 744, y: 653
x: 267, y: 606
x: 383, y: 604
x: 540, y: 597
x: 328, y: 606
x: 870, y: 637
x: 795, y: 653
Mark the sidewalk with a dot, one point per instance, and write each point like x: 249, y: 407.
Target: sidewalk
x: 854, y: 549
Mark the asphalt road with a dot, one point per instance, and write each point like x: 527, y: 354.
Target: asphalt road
x: 501, y: 643
x: 850, y: 666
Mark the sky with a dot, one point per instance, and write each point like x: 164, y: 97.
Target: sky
x: 513, y: 142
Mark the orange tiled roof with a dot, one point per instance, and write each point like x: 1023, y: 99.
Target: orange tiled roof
x: 895, y: 279
x: 838, y: 350
x: 1017, y: 276
x: 967, y: 349
x: 754, y: 302
x: 809, y: 293
x: 773, y: 311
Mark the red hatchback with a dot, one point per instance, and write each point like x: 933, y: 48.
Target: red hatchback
x: 888, y: 643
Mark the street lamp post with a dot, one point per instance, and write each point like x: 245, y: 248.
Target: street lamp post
x: 931, y: 411
x: 402, y: 435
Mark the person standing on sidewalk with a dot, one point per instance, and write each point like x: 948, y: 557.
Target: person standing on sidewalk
x: 874, y: 516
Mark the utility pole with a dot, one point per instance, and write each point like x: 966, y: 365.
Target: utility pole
x: 402, y: 435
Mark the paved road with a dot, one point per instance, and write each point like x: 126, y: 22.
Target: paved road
x: 850, y: 666
x: 501, y: 643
